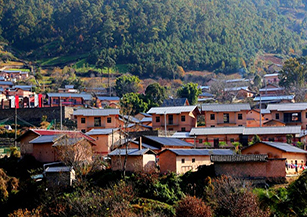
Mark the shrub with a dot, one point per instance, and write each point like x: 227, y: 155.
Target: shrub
x: 192, y: 206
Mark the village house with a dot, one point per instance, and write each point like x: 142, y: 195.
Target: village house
x: 69, y: 99
x: 272, y: 90
x: 88, y: 119
x: 177, y: 118
x: 226, y: 136
x: 26, y: 148
x: 275, y: 99
x: 105, y: 138
x: 60, y: 175
x: 239, y: 92
x: 6, y: 84
x: 181, y: 161
x: 108, y: 101
x: 225, y: 115
x: 249, y: 166
x: 14, y: 74
x: 271, y: 78
x: 295, y: 157
x: 68, y: 89
x: 138, y: 159
x: 175, y: 102
x: 162, y: 143
x: 290, y: 113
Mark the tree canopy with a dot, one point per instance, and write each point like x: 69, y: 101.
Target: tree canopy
x: 189, y: 91
x: 155, y: 94
x: 127, y: 84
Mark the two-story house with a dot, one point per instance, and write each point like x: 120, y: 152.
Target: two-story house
x: 176, y: 118
x: 69, y: 99
x: 290, y: 113
x: 88, y: 119
x: 225, y: 115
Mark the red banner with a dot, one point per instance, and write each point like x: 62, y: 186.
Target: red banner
x: 40, y: 100
x: 16, y: 101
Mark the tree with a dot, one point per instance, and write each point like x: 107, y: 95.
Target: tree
x: 134, y: 103
x: 255, y: 139
x: 189, y: 91
x: 106, y: 62
x: 155, y: 94
x: 192, y: 206
x: 127, y: 84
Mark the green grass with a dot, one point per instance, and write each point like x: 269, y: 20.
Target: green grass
x: 60, y: 60
x: 23, y: 70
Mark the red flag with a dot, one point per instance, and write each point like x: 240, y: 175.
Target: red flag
x: 40, y: 100
x: 16, y: 101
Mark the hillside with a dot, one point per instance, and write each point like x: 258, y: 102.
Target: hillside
x: 154, y: 37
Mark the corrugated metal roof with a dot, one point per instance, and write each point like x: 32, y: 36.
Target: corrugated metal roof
x: 236, y: 88
x: 58, y: 169
x: 146, y: 119
x: 270, y: 75
x: 23, y: 87
x: 6, y: 83
x: 182, y: 135
x: 226, y: 107
x: 171, y: 110
x: 245, y: 130
x: 108, y: 98
x: 272, y: 130
x: 167, y: 141
x: 145, y: 145
x: 131, y: 152
x: 101, y: 131
x: 285, y: 147
x: 174, y: 102
x: 206, y: 94
x: 239, y: 158
x: 201, y: 152
x: 67, y: 141
x: 96, y: 112
x: 271, y: 89
x: 288, y: 107
x: 45, y: 139
x: 85, y: 96
x: 216, y: 130
x: 271, y: 98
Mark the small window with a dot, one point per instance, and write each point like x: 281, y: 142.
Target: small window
x: 183, y: 160
x: 183, y: 129
x: 232, y: 140
x: 240, y: 117
x: 200, y: 141
x: 306, y: 115
x: 226, y: 117
x: 240, y: 125
x: 277, y: 116
x: 271, y: 139
x: 157, y: 119
x: 212, y: 117
x: 97, y: 121
x: 109, y: 120
x: 193, y: 160
x: 183, y: 118
x: 82, y: 120
x: 212, y: 126
x: 170, y: 129
x: 83, y: 130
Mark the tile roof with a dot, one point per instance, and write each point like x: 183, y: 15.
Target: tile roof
x: 106, y: 131
x: 45, y: 139
x: 67, y: 141
x: 182, y: 135
x: 168, y: 141
x: 271, y: 89
x: 284, y: 147
x: 145, y: 145
x: 146, y: 119
x: 239, y: 158
x: 108, y: 98
x: 131, y: 152
x: 70, y: 133
x: 245, y: 130
x: 237, y: 88
x: 287, y: 107
x: 200, y: 152
x: 226, y: 107
x: 96, y: 112
x: 174, y: 102
x: 172, y: 110
x: 6, y: 83
x: 85, y: 96
x: 272, y: 98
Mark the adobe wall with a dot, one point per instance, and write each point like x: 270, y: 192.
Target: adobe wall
x: 241, y: 170
x: 275, y: 168
x: 34, y: 115
x: 167, y: 162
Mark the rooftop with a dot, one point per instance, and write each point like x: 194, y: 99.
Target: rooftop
x: 131, y: 152
x: 172, y: 110
x: 200, y: 152
x: 226, y: 107
x: 174, y: 102
x: 107, y: 131
x: 96, y: 112
x: 273, y: 98
x: 287, y: 107
x: 58, y: 169
x: 239, y: 158
x: 85, y: 96
x: 283, y: 146
x: 45, y: 139
x: 168, y: 141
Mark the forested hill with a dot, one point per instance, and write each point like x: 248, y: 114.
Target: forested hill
x: 152, y: 36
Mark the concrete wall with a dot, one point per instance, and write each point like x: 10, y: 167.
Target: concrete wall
x: 104, y: 143
x: 89, y: 122
x: 188, y: 165
x: 219, y: 119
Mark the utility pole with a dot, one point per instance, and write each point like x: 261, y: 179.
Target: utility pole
x: 61, y: 124
x: 165, y: 123
x: 260, y: 111
x: 15, y: 142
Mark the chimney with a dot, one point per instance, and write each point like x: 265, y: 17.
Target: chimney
x: 140, y: 143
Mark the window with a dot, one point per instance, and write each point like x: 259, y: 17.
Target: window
x: 183, y: 118
x: 157, y: 119
x: 170, y: 119
x: 226, y: 118
x: 109, y: 120
x: 182, y: 160
x: 200, y: 141
x: 97, y: 121
x: 292, y: 117
x: 232, y: 140
x: 240, y: 117
x: 83, y: 130
x: 271, y: 139
x: 82, y: 120
x: 170, y: 129
x: 212, y: 126
x: 306, y: 115
x: 212, y: 117
x: 240, y: 125
x: 277, y: 116
x: 183, y: 129
x: 193, y: 160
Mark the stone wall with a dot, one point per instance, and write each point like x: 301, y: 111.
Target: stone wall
x: 34, y: 115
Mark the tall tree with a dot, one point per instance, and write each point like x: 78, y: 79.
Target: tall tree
x: 127, y: 84
x: 155, y: 94
x: 133, y: 103
x: 189, y: 91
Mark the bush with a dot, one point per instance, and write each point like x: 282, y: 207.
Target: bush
x: 192, y: 206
